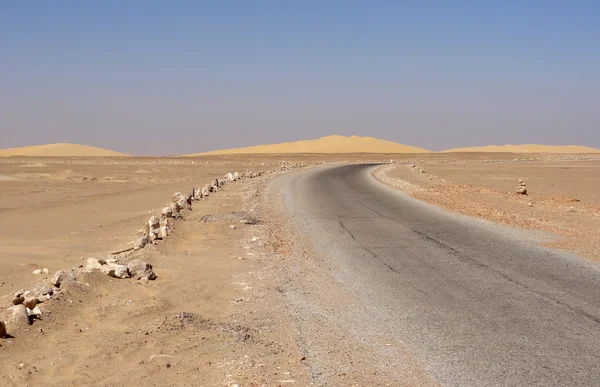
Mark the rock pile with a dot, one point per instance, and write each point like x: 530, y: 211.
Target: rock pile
x: 521, y: 188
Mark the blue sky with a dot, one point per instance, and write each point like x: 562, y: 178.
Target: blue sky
x: 171, y: 77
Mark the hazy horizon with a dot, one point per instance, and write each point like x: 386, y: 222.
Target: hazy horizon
x: 157, y: 78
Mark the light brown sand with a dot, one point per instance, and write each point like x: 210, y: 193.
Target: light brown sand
x: 60, y: 150
x: 528, y: 148
x: 563, y: 192
x: 216, y: 314
x: 329, y: 144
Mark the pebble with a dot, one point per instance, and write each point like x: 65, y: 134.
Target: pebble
x: 232, y: 227
x: 37, y: 272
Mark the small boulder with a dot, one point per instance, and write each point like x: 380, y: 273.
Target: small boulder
x: 91, y: 265
x: 521, y: 188
x: 36, y: 312
x: 176, y: 196
x: 19, y: 315
x: 138, y: 269
x: 229, y: 177
x: 154, y: 222
x: 37, y: 271
x: 167, y: 212
x: 140, y: 243
x: 205, y: 190
x: 46, y: 290
x: 18, y: 297
x: 30, y: 301
x: 45, y: 271
x: 236, y: 176
x: 61, y: 277
x: 118, y: 271
x: 164, y: 232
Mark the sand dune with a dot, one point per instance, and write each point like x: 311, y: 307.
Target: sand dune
x: 329, y: 144
x: 528, y: 148
x: 60, y: 150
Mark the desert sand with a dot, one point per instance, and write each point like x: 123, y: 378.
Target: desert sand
x: 328, y: 144
x: 527, y: 148
x: 217, y: 313
x: 60, y: 150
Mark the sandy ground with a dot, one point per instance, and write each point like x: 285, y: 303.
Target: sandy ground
x: 563, y: 192
x: 218, y: 313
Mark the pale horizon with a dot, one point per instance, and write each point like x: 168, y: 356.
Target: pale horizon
x: 155, y: 79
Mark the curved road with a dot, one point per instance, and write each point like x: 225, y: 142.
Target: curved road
x: 475, y: 303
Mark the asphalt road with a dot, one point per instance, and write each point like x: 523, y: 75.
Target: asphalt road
x: 477, y: 304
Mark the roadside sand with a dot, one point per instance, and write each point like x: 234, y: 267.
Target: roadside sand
x: 210, y: 318
x: 563, y: 192
x: 221, y: 311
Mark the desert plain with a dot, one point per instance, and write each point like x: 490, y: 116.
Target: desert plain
x: 217, y: 313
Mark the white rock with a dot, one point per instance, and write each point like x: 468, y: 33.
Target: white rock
x: 140, y: 243
x: 61, y: 277
x: 167, y: 212
x: 154, y: 222
x: 138, y: 269
x: 91, y: 265
x: 36, y: 312
x: 118, y: 271
x: 19, y: 315
x: 37, y: 271
x: 232, y: 227
x: 45, y: 271
x: 164, y: 232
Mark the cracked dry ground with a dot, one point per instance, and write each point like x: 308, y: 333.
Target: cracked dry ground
x: 214, y: 316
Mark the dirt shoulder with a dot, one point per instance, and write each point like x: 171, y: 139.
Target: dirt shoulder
x: 563, y: 193
x: 211, y: 318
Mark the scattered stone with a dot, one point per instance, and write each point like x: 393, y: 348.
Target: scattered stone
x: 37, y: 271
x: 45, y: 271
x: 205, y: 190
x: 229, y: 177
x: 3, y: 331
x: 140, y: 243
x: 61, y: 277
x: 19, y: 315
x: 139, y: 269
x: 118, y: 271
x: 91, y: 265
x: 46, y: 290
x: 232, y: 227
x: 30, y: 302
x: 164, y: 232
x: 236, y: 176
x: 521, y: 188
x: 530, y: 204
x: 143, y: 280
x: 36, y: 312
x: 167, y: 212
x: 18, y: 298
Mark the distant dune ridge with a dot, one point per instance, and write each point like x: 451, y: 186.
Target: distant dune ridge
x: 527, y: 148
x: 329, y: 144
x: 59, y: 150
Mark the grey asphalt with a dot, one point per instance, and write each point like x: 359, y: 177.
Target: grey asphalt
x: 478, y: 304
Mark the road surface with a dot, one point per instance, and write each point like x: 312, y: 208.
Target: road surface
x: 472, y: 303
